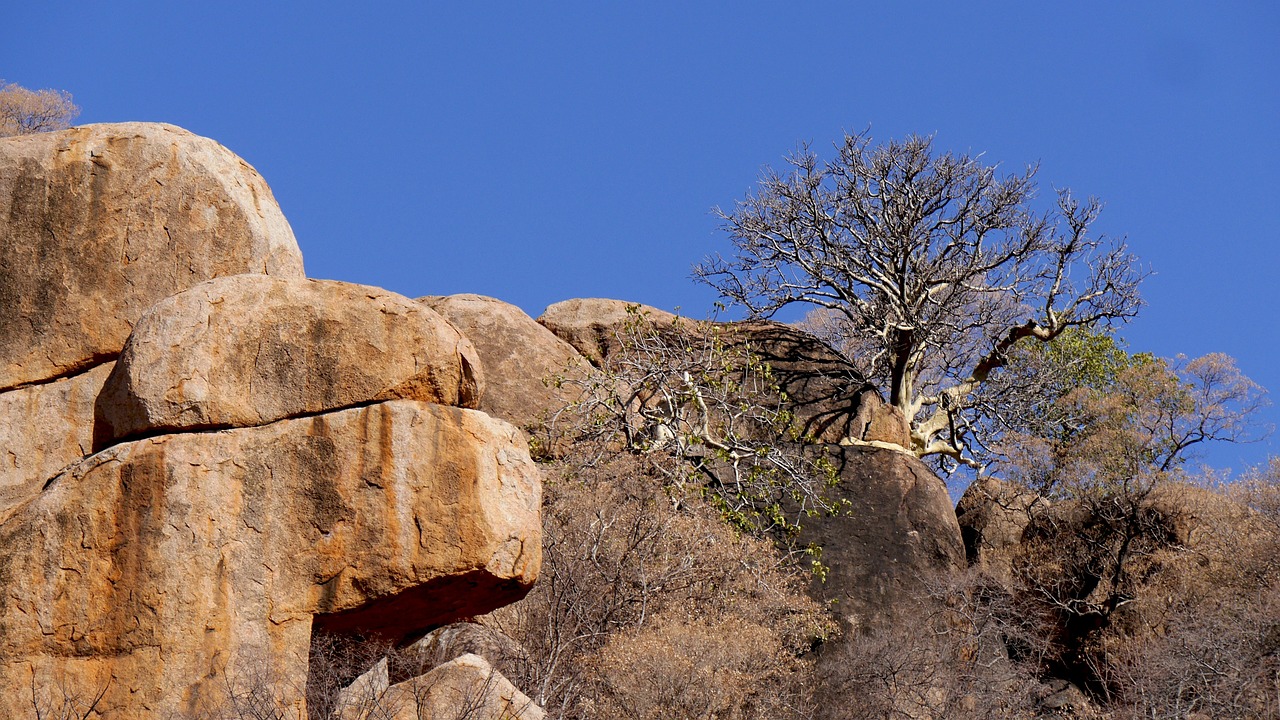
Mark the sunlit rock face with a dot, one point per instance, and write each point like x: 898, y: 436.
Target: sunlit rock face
x: 99, y: 222
x: 531, y: 373
x: 269, y: 458
x: 251, y: 349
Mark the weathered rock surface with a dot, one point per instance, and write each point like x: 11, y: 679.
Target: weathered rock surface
x: 466, y: 687
x: 43, y: 429
x: 526, y: 366
x: 149, y: 568
x: 250, y: 349
x: 99, y: 222
x: 900, y: 529
x: 451, y: 641
x: 591, y: 325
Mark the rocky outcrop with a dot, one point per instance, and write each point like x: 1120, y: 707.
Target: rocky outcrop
x: 97, y: 223
x: 251, y: 349
x: 531, y: 373
x: 158, y: 561
x: 898, y: 530
x: 452, y: 641
x: 274, y: 460
x: 831, y: 400
x: 993, y: 514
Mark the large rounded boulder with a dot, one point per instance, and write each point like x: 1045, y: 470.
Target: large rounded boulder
x: 252, y: 349
x: 530, y: 373
x: 99, y: 222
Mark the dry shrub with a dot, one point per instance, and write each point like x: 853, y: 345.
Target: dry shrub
x: 1202, y: 636
x: 627, y: 564
x: 973, y: 651
x: 24, y: 111
x: 720, y: 668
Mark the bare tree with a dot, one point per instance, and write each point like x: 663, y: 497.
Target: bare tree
x: 24, y: 111
x: 932, y: 262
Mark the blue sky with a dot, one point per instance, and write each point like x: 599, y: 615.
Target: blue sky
x: 541, y: 151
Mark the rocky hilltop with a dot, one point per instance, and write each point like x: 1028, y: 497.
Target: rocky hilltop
x: 214, y: 468
x: 210, y: 461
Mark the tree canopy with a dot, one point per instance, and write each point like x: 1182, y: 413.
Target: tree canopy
x: 934, y: 264
x: 24, y: 111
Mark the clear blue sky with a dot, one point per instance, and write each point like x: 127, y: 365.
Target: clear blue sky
x: 541, y: 151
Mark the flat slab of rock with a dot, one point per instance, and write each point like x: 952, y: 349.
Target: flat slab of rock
x: 251, y: 349
x: 525, y: 364
x: 99, y: 222
x: 43, y: 429
x: 156, y: 564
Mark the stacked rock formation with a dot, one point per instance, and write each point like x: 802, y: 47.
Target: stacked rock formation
x: 900, y: 526
x: 208, y: 461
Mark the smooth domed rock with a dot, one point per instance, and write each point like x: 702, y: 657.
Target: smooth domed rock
x: 251, y: 349
x: 899, y: 531
x: 43, y: 429
x: 99, y: 222
x: 591, y: 325
x: 162, y: 567
x: 529, y: 372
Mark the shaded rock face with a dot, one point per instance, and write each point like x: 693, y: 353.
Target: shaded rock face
x: 524, y: 362
x: 194, y: 360
x: 899, y: 531
x: 99, y: 222
x: 993, y: 516
x: 157, y: 560
x: 830, y: 398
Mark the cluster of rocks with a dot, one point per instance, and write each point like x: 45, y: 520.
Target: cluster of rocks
x: 208, y: 461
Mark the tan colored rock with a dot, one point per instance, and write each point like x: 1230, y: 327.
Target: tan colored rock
x: 526, y: 366
x: 591, y: 325
x: 43, y: 429
x: 468, y: 688
x: 451, y: 641
x: 160, y: 563
x: 251, y: 349
x: 99, y: 222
